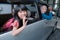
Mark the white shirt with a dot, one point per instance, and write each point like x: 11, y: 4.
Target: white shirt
x: 53, y: 12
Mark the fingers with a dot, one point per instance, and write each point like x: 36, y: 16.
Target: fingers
x: 24, y: 21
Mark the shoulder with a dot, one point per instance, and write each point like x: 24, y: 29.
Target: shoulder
x: 16, y: 23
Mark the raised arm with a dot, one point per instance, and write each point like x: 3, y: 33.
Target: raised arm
x: 17, y: 30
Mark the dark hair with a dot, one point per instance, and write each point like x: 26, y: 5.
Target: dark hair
x: 47, y: 11
x: 16, y: 10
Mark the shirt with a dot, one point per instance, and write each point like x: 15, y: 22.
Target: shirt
x: 16, y: 23
x: 48, y: 17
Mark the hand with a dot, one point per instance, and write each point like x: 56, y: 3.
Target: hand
x: 24, y: 21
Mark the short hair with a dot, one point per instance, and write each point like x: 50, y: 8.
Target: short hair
x: 18, y: 8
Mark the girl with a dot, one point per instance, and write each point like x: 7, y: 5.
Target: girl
x: 20, y: 22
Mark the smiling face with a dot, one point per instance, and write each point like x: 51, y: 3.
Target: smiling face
x: 22, y: 14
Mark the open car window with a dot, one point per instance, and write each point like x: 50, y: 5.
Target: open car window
x: 6, y: 10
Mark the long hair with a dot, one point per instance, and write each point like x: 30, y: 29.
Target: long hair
x: 16, y: 10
